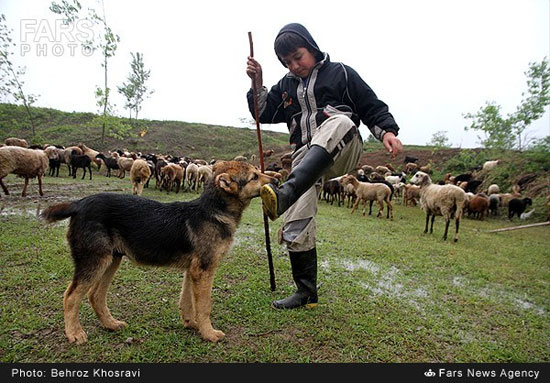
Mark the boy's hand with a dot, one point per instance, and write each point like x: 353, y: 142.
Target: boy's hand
x: 392, y: 144
x: 254, y: 71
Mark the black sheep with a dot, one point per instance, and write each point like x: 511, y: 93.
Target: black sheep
x: 110, y: 163
x: 518, y: 206
x: 80, y: 161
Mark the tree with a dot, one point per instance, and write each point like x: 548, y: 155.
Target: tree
x: 511, y: 132
x: 135, y: 90
x: 440, y: 140
x: 71, y: 11
x: 11, y: 76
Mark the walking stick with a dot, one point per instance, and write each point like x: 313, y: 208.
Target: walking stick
x: 262, y: 168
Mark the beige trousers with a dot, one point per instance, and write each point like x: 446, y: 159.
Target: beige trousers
x: 299, y: 227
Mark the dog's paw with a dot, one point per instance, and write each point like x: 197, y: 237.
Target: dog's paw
x: 213, y: 336
x: 78, y: 336
x: 116, y: 325
x: 190, y: 323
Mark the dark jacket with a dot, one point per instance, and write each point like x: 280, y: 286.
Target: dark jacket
x: 332, y: 88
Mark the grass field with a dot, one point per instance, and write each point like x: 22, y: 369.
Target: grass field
x: 388, y: 293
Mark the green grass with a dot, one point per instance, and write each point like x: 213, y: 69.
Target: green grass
x: 388, y: 292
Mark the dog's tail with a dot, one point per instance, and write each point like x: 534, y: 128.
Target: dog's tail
x: 59, y: 212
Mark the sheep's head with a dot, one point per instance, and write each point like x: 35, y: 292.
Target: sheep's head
x: 420, y: 178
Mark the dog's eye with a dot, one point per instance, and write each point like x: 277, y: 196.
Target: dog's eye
x: 255, y: 177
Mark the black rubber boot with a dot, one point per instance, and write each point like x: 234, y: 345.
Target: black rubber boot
x: 277, y: 200
x: 304, y: 273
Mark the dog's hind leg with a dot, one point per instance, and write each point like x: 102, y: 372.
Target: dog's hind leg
x: 98, y: 297
x: 202, y: 292
x: 83, y: 280
x: 187, y: 304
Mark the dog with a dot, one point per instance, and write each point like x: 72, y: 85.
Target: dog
x: 190, y: 236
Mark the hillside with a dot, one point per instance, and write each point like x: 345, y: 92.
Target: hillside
x: 221, y: 142
x: 171, y: 137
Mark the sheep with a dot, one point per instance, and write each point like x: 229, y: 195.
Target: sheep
x: 444, y: 200
x: 382, y: 170
x: 518, y: 206
x: 171, y: 175
x: 411, y: 167
x: 66, y: 156
x: 375, y: 176
x: 490, y: 165
x: 110, y: 163
x: 80, y: 161
x: 426, y: 169
x: 161, y: 162
x: 478, y: 206
x: 192, y: 177
x: 92, y: 154
x: 394, y: 179
x: 268, y: 153
x: 54, y: 160
x: 367, y: 169
x: 23, y: 162
x: 332, y: 190
x: 410, y: 159
x: 411, y: 194
x: 204, y: 175
x: 493, y: 189
x: 12, y: 141
x: 369, y: 192
x: 494, y: 202
x: 240, y: 158
x: 139, y: 174
x: 124, y: 164
x: 505, y: 198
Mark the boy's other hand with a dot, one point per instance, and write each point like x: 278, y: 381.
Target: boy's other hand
x: 392, y: 144
x: 254, y: 71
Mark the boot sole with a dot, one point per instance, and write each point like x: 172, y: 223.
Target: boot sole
x: 269, y: 199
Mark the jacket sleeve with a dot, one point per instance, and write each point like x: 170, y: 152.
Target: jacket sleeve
x: 373, y: 112
x: 269, y: 105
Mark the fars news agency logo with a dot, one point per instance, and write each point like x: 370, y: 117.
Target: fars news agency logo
x: 53, y: 38
x: 429, y: 373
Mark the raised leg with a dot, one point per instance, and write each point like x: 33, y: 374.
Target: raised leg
x: 98, y: 297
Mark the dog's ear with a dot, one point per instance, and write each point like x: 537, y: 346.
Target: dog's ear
x: 224, y: 181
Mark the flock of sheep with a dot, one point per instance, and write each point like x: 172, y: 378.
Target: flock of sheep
x: 451, y: 198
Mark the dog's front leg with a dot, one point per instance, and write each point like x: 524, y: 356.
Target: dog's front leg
x: 187, y: 306
x: 202, y: 291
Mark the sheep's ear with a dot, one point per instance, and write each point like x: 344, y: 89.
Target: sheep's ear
x: 224, y: 182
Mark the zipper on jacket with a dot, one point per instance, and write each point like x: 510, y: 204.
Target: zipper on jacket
x: 308, y: 106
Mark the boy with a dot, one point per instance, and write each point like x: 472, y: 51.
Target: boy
x: 323, y: 104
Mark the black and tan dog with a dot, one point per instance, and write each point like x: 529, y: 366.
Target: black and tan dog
x: 191, y: 236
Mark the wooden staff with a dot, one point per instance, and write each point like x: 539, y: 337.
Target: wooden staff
x: 262, y: 168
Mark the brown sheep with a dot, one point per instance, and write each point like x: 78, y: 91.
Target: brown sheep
x: 23, y: 162
x: 411, y: 195
x: 12, y: 141
x: 369, y: 192
x: 479, y: 206
x: 124, y: 165
x: 171, y: 175
x: 139, y: 174
x: 92, y: 154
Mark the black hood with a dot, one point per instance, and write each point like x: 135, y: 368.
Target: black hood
x: 301, y: 31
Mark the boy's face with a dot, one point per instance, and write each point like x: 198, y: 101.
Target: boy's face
x: 300, y: 62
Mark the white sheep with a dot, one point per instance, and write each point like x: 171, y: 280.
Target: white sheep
x: 493, y: 189
x: 192, y: 176
x: 27, y: 163
x: 445, y: 200
x: 139, y: 174
x: 204, y: 175
x: 490, y: 165
x: 365, y: 191
x: 13, y: 141
x: 124, y: 165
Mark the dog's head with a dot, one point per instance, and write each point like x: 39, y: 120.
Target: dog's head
x: 239, y: 179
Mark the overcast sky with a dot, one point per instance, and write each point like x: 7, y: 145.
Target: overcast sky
x: 430, y: 61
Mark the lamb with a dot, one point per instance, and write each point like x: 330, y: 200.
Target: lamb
x: 332, y: 190
x: 505, y: 198
x: 445, y: 200
x: 369, y: 192
x: 12, y: 141
x: 426, y: 168
x: 66, y: 156
x: 139, y: 174
x: 494, y: 202
x: 23, y: 162
x: 411, y: 194
x: 54, y: 160
x: 411, y: 167
x: 367, y: 169
x: 80, y: 161
x: 518, y: 206
x: 382, y: 170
